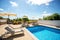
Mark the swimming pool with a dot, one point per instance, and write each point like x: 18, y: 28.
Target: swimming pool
x: 45, y: 33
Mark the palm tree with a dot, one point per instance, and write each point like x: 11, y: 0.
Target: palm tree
x: 25, y: 19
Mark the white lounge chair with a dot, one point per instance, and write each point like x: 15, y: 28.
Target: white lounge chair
x: 11, y: 32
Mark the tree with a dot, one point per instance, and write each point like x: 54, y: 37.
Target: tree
x: 1, y: 17
x: 25, y: 19
x: 18, y: 19
x: 54, y: 16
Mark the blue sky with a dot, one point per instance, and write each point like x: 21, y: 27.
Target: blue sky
x: 31, y: 8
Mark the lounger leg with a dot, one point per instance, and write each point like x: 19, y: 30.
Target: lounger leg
x: 4, y: 35
x: 12, y: 33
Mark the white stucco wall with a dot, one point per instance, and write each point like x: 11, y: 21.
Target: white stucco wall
x: 50, y: 22
x: 3, y: 20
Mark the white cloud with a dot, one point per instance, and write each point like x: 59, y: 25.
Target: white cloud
x: 47, y: 4
x: 39, y: 2
x: 44, y: 14
x: 44, y: 11
x: 1, y: 9
x: 14, y: 4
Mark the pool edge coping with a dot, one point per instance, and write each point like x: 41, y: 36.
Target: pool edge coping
x: 32, y: 35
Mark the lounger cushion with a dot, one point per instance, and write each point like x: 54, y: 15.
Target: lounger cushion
x: 17, y: 30
x: 9, y: 29
x: 13, y: 30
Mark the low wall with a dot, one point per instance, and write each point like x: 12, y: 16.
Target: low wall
x: 3, y: 21
x: 50, y: 22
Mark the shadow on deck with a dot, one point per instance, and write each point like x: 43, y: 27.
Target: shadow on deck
x: 12, y: 37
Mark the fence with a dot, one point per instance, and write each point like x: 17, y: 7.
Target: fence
x: 50, y: 22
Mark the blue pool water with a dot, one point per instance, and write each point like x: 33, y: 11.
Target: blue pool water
x: 45, y: 33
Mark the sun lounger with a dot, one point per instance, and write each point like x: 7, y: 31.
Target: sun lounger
x: 11, y: 32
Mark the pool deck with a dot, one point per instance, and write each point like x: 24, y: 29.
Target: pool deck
x: 26, y: 35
